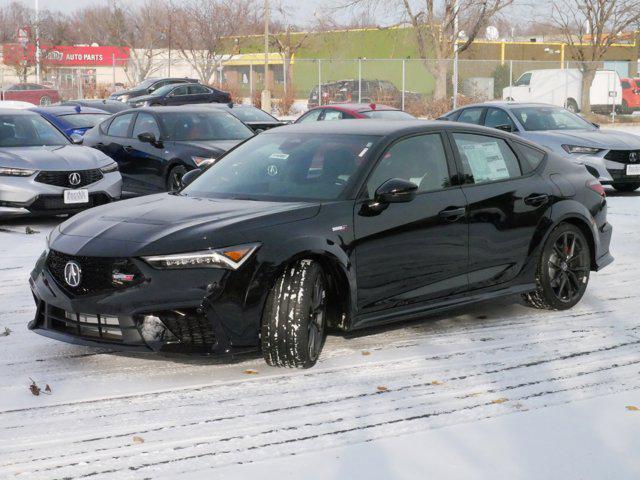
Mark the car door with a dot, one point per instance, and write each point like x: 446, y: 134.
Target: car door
x: 146, y: 162
x: 178, y: 96
x: 415, y: 252
x: 113, y: 143
x: 199, y: 94
x: 506, y: 202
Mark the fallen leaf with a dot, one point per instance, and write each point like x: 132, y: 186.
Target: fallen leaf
x: 30, y: 231
x: 382, y: 388
x: 436, y: 382
x: 47, y: 388
x: 249, y: 371
x: 366, y: 352
x: 500, y: 400
x: 6, y: 333
x: 35, y: 389
x: 632, y: 408
x: 137, y: 439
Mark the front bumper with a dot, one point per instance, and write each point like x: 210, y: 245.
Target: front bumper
x: 24, y: 195
x: 201, y: 312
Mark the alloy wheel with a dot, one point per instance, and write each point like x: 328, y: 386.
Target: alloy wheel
x: 317, y: 310
x: 568, y: 267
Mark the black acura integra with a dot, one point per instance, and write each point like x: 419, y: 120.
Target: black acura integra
x: 339, y: 225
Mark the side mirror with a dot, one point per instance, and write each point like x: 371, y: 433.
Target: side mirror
x: 76, y: 139
x: 148, y: 137
x: 597, y: 125
x: 190, y: 176
x: 505, y: 128
x: 396, y: 190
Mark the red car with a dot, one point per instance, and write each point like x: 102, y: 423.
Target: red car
x: 344, y: 111
x: 32, y: 93
x: 630, y: 94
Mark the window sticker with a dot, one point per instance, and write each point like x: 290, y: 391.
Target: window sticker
x: 279, y: 156
x: 486, y: 161
x: 365, y: 149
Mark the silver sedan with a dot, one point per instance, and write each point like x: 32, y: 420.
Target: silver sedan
x: 611, y: 156
x: 43, y: 172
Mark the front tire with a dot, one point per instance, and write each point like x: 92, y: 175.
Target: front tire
x: 563, y: 270
x: 294, y: 318
x: 626, y: 187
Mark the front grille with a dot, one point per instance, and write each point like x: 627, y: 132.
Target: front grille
x: 56, y: 203
x: 97, y: 273
x: 622, y: 156
x: 61, y: 179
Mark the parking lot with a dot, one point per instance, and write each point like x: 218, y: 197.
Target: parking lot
x: 560, y: 387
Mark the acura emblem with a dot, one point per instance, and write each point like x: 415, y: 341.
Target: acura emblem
x: 633, y: 157
x: 74, y: 179
x: 72, y: 274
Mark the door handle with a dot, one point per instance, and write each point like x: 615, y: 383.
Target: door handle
x: 451, y: 214
x: 536, y: 200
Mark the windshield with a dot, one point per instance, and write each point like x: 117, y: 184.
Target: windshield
x: 28, y: 131
x: 388, y: 115
x: 550, y: 118
x: 286, y: 166
x: 84, y: 120
x: 252, y: 115
x: 196, y: 126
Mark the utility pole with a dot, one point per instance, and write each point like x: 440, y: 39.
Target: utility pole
x: 266, y: 93
x: 37, y: 43
x: 455, y: 53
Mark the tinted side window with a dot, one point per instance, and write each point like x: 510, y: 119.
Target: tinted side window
x: 625, y: 84
x: 311, y: 116
x: 524, y: 80
x: 145, y: 123
x: 420, y: 159
x: 531, y: 157
x: 120, y: 125
x: 195, y: 89
x: 182, y: 90
x: 486, y: 159
x: 471, y: 115
x: 496, y: 117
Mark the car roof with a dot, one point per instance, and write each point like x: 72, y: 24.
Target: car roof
x: 16, y: 111
x: 359, y: 107
x: 177, y: 108
x: 507, y: 104
x: 364, y: 127
x: 59, y: 110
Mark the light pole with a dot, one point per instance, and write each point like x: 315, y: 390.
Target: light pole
x: 266, y: 93
x: 455, y: 53
x: 37, y: 43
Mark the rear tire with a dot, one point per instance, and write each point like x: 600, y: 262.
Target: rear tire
x: 294, y: 318
x: 563, y: 270
x: 174, y: 179
x: 45, y: 100
x: 626, y: 187
x: 572, y: 105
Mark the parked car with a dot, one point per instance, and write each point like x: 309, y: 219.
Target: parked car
x: 563, y: 87
x: 188, y: 94
x: 32, y: 93
x: 111, y: 106
x: 73, y: 120
x: 348, y: 111
x: 612, y: 156
x: 147, y: 87
x: 329, y: 91
x: 343, y: 225
x: 154, y: 147
x: 630, y: 95
x: 42, y: 172
x: 256, y: 119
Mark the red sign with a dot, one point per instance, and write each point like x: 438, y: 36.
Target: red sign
x: 66, y: 55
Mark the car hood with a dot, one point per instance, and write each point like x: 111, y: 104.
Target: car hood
x: 215, y: 145
x: 601, y: 138
x: 169, y: 223
x: 120, y: 93
x: 67, y: 157
x: 143, y: 98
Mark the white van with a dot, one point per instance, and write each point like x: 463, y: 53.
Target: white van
x: 563, y: 87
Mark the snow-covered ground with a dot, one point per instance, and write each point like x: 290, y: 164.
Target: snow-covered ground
x: 494, y: 391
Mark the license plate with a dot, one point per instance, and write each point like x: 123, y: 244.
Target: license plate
x: 76, y: 196
x: 633, y: 169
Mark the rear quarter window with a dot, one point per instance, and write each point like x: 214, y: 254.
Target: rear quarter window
x: 531, y: 157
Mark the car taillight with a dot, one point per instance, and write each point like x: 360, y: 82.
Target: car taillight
x: 597, y: 187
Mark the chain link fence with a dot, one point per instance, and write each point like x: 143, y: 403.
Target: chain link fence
x: 422, y: 87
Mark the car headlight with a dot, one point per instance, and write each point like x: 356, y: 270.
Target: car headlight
x: 203, y: 161
x: 112, y: 167
x: 580, y: 149
x: 16, y: 172
x: 123, y: 98
x: 229, y: 257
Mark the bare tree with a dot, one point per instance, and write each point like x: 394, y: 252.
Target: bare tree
x: 590, y: 28
x: 437, y: 25
x: 201, y: 27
